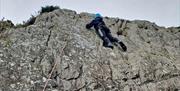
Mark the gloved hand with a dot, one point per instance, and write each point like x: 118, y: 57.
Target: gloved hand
x: 88, y: 26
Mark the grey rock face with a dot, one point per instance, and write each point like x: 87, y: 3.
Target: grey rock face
x: 27, y: 56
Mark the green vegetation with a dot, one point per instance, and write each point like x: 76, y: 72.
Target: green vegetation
x: 8, y: 24
x: 48, y: 9
x: 32, y: 19
x: 5, y: 25
x: 19, y: 25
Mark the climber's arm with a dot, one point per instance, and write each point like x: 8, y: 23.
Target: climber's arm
x: 88, y: 26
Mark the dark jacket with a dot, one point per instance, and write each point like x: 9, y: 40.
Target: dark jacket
x: 97, y: 23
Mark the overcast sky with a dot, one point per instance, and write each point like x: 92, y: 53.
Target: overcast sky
x: 162, y: 12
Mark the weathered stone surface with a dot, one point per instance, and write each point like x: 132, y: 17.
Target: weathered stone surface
x: 27, y: 56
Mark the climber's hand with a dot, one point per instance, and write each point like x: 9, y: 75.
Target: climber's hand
x: 88, y: 26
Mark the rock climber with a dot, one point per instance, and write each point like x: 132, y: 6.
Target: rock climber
x: 104, y: 32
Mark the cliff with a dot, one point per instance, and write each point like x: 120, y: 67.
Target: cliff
x: 28, y: 55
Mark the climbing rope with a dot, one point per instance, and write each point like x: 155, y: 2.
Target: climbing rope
x: 54, y: 67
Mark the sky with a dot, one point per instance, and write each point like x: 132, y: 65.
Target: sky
x: 162, y: 12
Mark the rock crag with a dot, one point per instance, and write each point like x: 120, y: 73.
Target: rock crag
x: 28, y: 54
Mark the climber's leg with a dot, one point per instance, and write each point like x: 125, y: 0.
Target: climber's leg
x: 106, y: 41
x: 111, y: 38
x: 114, y: 39
x: 108, y: 34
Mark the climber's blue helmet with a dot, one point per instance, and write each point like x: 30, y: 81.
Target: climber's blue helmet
x: 98, y: 15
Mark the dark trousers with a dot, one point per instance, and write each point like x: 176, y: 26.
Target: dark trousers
x: 106, y: 35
